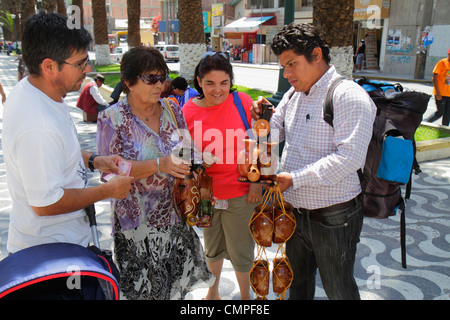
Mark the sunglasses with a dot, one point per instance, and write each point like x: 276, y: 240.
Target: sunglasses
x: 212, y: 53
x: 152, y: 79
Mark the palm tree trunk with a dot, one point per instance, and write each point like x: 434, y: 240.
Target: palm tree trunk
x: 192, y: 37
x: 134, y: 29
x: 79, y: 3
x: 102, y: 54
x: 334, y: 18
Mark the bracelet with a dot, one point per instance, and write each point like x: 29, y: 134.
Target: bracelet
x: 91, y: 162
x: 157, y: 163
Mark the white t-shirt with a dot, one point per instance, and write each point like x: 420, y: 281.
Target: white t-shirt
x: 43, y: 157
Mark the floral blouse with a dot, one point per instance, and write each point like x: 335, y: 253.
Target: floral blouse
x: 120, y: 132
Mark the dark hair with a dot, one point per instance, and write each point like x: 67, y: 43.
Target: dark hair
x: 46, y: 35
x: 179, y: 83
x: 139, y: 60
x: 212, y: 62
x: 302, y: 38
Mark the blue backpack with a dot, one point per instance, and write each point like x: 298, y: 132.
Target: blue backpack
x: 391, y: 153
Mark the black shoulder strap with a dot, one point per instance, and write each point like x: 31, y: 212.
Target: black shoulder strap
x: 328, y: 114
x: 328, y: 103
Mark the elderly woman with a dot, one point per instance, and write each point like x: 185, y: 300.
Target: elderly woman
x: 159, y: 256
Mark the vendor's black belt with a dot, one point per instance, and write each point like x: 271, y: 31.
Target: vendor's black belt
x: 316, y: 214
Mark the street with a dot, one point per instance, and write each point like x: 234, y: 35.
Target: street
x: 265, y: 77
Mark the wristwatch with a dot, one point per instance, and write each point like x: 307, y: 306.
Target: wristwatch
x: 91, y: 162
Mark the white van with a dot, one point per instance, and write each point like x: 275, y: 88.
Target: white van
x: 170, y: 52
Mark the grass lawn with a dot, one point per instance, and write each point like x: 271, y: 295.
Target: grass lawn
x: 424, y: 133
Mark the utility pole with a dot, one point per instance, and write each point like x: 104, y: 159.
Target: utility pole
x: 283, y: 84
x: 427, y: 12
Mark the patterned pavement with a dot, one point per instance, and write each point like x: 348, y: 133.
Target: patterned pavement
x: 378, y: 270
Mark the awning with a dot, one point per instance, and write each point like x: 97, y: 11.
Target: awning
x: 246, y: 24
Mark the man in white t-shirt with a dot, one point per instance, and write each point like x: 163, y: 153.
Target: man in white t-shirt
x: 45, y: 165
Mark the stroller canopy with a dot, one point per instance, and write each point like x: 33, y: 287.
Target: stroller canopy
x: 57, y: 271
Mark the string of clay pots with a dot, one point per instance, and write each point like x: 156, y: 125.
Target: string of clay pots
x: 272, y: 222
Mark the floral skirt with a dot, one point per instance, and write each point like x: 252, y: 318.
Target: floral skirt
x: 160, y: 263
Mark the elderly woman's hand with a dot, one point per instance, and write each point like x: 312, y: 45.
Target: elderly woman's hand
x: 209, y: 159
x: 174, y: 166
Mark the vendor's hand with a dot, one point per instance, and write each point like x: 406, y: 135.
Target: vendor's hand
x: 254, y: 193
x: 107, y: 164
x: 209, y: 159
x: 120, y: 186
x: 284, y: 180
x: 174, y: 166
x: 255, y: 110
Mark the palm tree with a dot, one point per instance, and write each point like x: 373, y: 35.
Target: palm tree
x: 61, y: 5
x: 334, y: 18
x: 79, y: 3
x: 192, y: 38
x: 134, y: 29
x: 102, y: 54
x: 49, y: 5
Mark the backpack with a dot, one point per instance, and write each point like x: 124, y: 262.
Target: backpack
x: 391, y: 152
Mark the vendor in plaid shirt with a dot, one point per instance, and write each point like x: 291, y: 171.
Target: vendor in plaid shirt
x: 318, y: 173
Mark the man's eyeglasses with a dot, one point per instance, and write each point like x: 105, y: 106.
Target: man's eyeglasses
x: 82, y: 66
x: 212, y: 53
x: 152, y: 79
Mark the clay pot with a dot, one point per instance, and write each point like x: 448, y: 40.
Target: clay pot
x: 259, y: 277
x: 284, y: 223
x: 261, y: 225
x: 186, y: 198
x: 245, y: 158
x: 206, y: 208
x: 253, y: 173
x: 261, y: 127
x: 268, y: 161
x: 281, y: 275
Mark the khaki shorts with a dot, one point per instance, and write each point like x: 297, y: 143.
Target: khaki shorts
x: 229, y: 236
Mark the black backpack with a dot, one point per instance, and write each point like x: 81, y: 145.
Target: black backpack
x: 391, y: 153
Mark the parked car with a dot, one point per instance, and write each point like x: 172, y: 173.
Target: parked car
x: 116, y: 55
x: 170, y: 52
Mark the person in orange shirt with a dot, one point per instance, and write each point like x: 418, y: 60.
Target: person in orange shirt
x: 441, y: 91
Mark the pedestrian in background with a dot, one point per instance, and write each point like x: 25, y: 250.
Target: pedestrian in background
x: 318, y: 171
x: 2, y: 93
x: 360, y: 55
x: 183, y: 91
x: 441, y: 90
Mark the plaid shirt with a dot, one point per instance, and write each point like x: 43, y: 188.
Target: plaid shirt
x: 323, y: 160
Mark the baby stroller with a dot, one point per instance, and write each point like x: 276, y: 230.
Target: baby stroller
x: 60, y: 271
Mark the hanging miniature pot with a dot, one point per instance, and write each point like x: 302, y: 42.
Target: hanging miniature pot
x: 268, y: 161
x: 259, y: 278
x: 281, y: 275
x: 261, y: 225
x: 284, y: 222
x: 245, y: 159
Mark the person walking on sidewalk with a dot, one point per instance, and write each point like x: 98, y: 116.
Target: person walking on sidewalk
x: 441, y: 91
x: 359, y: 55
x: 318, y: 171
x: 45, y: 166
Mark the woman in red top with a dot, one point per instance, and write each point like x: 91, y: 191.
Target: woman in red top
x: 215, y: 125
